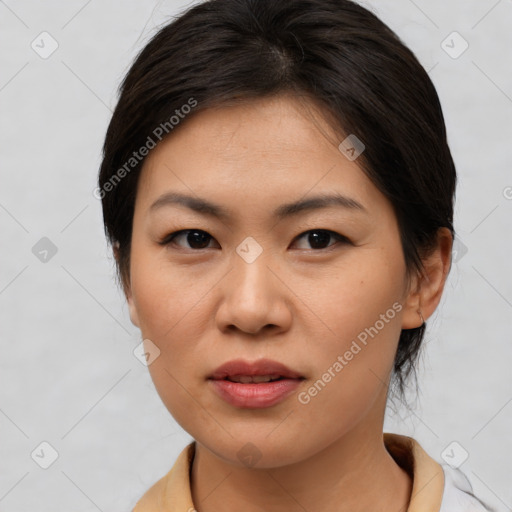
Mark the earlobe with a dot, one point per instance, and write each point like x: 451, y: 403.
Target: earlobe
x: 410, y: 317
x: 132, y: 308
x: 425, y: 295
x: 134, y: 317
x: 125, y: 280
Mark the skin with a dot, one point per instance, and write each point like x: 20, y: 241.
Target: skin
x: 295, y: 303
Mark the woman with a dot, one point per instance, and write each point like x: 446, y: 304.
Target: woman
x: 278, y: 190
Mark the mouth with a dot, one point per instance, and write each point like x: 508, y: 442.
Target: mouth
x: 254, y: 379
x: 256, y: 385
x: 262, y: 370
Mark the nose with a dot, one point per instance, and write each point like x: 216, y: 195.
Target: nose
x: 254, y: 299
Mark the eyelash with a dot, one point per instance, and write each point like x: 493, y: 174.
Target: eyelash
x: 169, y: 239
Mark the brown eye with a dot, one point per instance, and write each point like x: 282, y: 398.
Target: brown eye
x: 195, y: 238
x: 320, y: 238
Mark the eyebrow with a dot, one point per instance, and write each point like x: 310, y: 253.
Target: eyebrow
x: 208, y: 208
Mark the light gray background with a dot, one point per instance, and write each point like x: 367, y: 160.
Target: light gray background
x: 68, y: 375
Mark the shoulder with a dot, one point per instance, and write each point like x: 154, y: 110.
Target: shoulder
x: 152, y: 498
x: 458, y: 494
x: 172, y: 491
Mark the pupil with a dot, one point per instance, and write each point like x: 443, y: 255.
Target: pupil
x: 198, y: 239
x: 319, y: 238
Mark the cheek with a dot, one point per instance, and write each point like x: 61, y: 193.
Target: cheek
x: 168, y: 298
x: 169, y: 308
x: 351, y: 377
x: 353, y: 296
x: 174, y: 307
x: 362, y: 311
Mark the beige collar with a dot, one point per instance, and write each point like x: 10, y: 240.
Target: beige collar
x: 172, y: 492
x: 427, y: 474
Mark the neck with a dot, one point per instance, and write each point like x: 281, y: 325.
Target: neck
x: 356, y: 473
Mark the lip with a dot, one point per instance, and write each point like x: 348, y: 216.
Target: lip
x: 254, y: 395
x: 259, y: 367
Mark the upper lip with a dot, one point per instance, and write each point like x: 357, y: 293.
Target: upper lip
x: 259, y: 367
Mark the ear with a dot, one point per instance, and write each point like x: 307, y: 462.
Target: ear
x: 127, y: 289
x: 426, y: 289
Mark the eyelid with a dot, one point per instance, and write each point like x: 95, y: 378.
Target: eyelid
x: 334, y: 234
x: 168, y: 239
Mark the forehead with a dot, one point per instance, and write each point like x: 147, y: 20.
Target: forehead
x: 260, y: 152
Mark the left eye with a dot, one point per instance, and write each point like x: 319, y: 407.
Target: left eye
x: 319, y: 238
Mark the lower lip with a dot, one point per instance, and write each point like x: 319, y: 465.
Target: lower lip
x: 255, y: 396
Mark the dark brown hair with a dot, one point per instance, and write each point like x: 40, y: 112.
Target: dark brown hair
x: 334, y: 52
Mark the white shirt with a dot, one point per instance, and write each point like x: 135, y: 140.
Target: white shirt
x: 456, y: 497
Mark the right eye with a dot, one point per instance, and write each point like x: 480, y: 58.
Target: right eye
x: 196, y: 238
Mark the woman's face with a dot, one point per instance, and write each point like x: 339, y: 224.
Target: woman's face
x: 318, y: 288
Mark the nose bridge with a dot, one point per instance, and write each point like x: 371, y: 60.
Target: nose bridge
x: 253, y: 277
x: 253, y: 297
